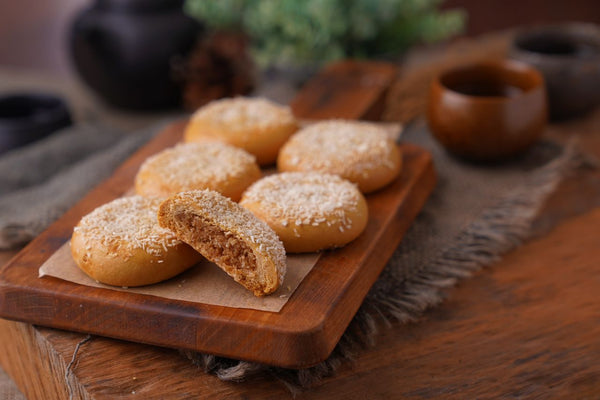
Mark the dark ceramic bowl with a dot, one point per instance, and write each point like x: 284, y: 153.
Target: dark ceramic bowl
x: 488, y: 111
x: 26, y: 117
x: 569, y: 58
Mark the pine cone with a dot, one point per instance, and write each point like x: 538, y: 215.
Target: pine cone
x: 219, y: 66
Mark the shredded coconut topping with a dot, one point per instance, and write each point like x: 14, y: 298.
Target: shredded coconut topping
x: 127, y: 224
x: 197, y: 165
x: 305, y: 198
x: 347, y: 148
x: 244, y: 112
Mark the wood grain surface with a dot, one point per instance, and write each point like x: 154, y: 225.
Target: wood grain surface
x: 302, y: 334
x: 526, y: 327
x: 346, y: 89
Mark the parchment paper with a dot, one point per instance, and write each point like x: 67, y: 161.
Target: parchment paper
x: 204, y: 283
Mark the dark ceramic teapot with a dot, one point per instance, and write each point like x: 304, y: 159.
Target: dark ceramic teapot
x: 124, y: 50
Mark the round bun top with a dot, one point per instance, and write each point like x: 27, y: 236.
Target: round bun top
x: 243, y: 113
x: 125, y: 225
x: 305, y: 198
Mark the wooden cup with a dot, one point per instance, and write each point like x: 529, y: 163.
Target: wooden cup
x: 488, y: 111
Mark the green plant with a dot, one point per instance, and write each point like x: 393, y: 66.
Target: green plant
x: 318, y: 31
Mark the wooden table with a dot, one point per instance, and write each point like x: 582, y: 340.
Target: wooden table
x: 527, y: 327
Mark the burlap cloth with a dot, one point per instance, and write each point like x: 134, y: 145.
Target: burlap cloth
x: 476, y: 214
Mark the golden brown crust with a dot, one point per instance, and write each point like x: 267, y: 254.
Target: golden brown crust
x: 256, y: 125
x: 217, y: 166
x: 309, y: 211
x: 229, y: 236
x: 121, y: 244
x: 361, y: 152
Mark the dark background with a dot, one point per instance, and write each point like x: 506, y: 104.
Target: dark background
x: 489, y: 15
x: 33, y: 32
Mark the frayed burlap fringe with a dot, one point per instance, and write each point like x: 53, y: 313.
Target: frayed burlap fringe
x: 398, y: 297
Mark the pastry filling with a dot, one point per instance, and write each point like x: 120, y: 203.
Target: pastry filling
x: 222, y: 248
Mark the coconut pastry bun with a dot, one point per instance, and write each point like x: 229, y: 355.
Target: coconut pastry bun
x: 194, y: 166
x: 256, y: 125
x: 309, y: 211
x: 230, y: 236
x: 121, y: 244
x: 360, y: 152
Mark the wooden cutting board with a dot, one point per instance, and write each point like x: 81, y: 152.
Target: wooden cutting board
x: 302, y: 334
